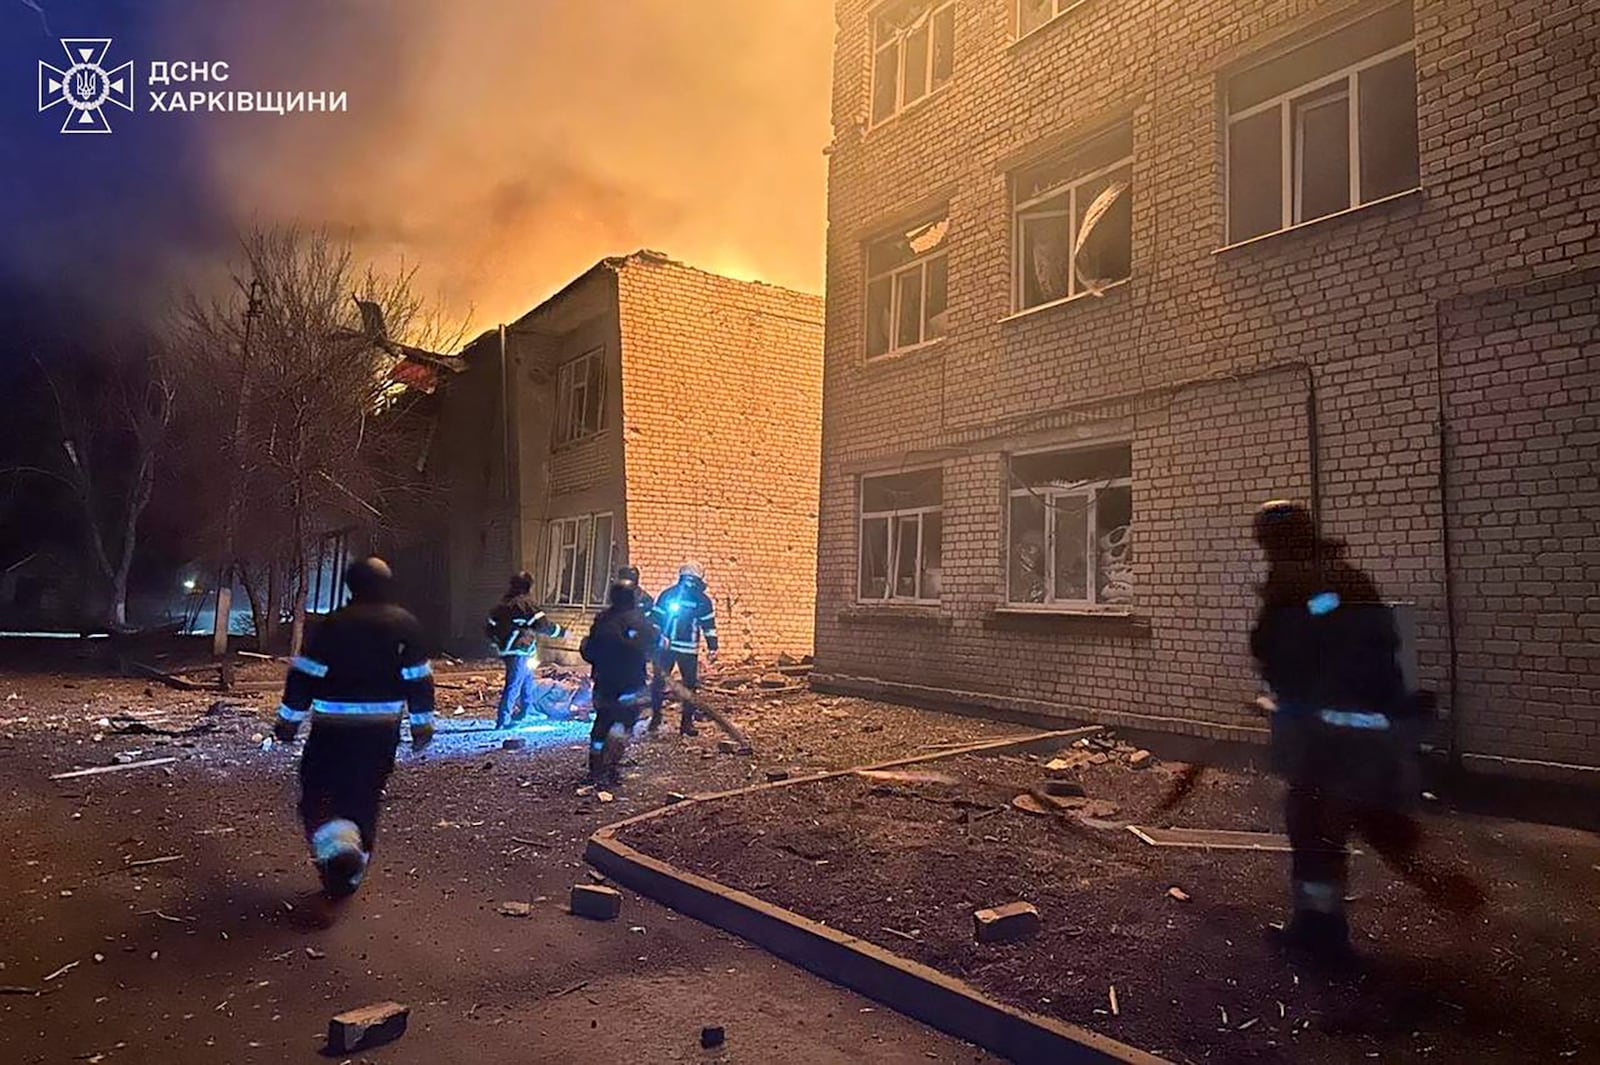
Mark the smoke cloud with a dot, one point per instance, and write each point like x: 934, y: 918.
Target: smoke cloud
x: 504, y: 148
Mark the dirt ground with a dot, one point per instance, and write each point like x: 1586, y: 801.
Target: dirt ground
x: 223, y: 954
x: 904, y: 862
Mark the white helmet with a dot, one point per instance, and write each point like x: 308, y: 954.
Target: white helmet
x: 692, y: 569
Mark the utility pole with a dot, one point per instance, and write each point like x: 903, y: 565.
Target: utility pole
x: 219, y: 629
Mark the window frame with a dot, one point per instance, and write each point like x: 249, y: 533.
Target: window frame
x: 1070, y: 188
x: 893, y: 275
x: 1048, y: 494
x: 557, y: 551
x: 1291, y: 139
x: 935, y: 8
x: 892, y: 519
x: 1058, y: 9
x: 572, y: 397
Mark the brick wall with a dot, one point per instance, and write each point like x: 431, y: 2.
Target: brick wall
x: 1347, y: 308
x: 721, y: 415
x: 1523, y: 379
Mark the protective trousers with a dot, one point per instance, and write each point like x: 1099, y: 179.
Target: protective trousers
x: 608, y: 739
x: 517, y: 694
x: 1344, y: 779
x: 342, y: 775
x: 688, y: 667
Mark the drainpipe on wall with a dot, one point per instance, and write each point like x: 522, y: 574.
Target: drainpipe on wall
x: 505, y: 413
x: 1442, y: 457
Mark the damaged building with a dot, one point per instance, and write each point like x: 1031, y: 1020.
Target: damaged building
x: 1103, y: 277
x: 649, y: 413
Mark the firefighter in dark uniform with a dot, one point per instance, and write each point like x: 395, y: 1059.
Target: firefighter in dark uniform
x: 514, y: 627
x: 619, y: 646
x: 1345, y: 727
x: 363, y: 669
x: 683, y: 613
x: 630, y: 575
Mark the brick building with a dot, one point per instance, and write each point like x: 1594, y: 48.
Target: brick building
x: 648, y: 413
x: 1104, y: 275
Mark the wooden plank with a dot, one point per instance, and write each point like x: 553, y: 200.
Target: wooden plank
x: 96, y: 770
x: 1212, y: 839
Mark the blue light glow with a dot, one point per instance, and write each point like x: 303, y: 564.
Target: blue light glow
x: 1323, y: 603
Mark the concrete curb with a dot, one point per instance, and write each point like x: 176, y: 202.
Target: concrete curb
x: 945, y: 1003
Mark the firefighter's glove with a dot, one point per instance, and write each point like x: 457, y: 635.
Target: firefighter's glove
x: 284, y: 731
x: 421, y: 736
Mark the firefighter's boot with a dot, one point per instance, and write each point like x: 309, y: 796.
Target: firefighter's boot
x: 340, y: 860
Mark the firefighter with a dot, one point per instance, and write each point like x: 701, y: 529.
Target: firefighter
x: 1345, y: 726
x: 363, y: 668
x: 630, y: 575
x: 619, y: 646
x: 514, y: 627
x: 683, y: 613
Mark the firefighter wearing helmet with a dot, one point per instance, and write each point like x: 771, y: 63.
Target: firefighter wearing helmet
x: 684, y: 613
x: 362, y: 670
x: 1345, y: 726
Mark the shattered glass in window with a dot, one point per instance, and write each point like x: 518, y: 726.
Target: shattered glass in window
x: 875, y: 558
x: 906, y: 531
x: 1071, y: 516
x: 935, y: 305
x: 878, y: 315
x: 908, y: 316
x: 1114, y: 545
x: 1046, y: 253
x: 1027, y: 550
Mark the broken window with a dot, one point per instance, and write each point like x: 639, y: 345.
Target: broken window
x: 1324, y: 127
x: 579, y: 561
x: 901, y: 536
x: 1031, y: 14
x: 1074, y: 222
x: 1070, y: 527
x: 907, y: 288
x: 581, y: 397
x: 913, y: 53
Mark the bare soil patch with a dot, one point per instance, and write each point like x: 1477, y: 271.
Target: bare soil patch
x: 903, y: 862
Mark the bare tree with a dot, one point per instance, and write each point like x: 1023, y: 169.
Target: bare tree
x: 325, y: 417
x: 111, y: 423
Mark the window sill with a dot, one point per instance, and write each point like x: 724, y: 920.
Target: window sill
x: 908, y: 109
x: 1397, y: 198
x: 896, y: 613
x: 1017, y: 44
x: 898, y: 354
x: 1097, y: 619
x: 1053, y: 304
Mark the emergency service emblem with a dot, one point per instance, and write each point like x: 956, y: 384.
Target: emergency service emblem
x: 85, y: 86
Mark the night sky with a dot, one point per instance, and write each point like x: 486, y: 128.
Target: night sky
x: 501, y: 147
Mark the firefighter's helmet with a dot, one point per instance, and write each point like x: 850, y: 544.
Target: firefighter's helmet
x: 624, y: 595
x: 692, y: 569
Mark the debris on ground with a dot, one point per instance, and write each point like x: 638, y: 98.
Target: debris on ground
x: 1006, y: 924
x: 368, y: 1026
x: 596, y: 902
x: 1139, y: 759
x: 116, y: 768
x: 712, y: 1036
x: 513, y: 743
x: 1178, y: 893
x: 516, y: 909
